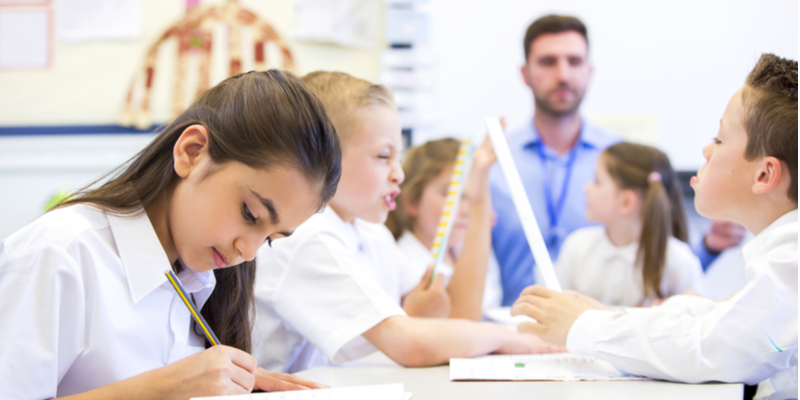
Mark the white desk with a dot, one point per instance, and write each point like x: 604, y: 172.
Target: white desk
x: 434, y: 383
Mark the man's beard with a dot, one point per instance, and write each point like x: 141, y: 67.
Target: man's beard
x: 548, y: 108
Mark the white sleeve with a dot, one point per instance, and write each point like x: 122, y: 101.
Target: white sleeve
x: 43, y: 307
x: 331, y: 299
x: 746, y: 339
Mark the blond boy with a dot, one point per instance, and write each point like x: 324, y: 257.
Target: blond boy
x: 332, y: 292
x: 750, y: 177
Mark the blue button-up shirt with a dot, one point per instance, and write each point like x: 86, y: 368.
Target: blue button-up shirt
x: 508, y: 238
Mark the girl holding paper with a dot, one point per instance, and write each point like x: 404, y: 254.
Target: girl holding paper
x: 639, y: 255
x: 474, y: 280
x: 89, y: 310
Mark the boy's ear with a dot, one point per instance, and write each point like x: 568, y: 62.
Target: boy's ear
x: 768, y: 175
x: 190, y: 148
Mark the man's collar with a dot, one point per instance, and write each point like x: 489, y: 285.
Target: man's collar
x: 588, y: 136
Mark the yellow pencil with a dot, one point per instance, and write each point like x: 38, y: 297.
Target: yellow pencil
x: 212, y: 338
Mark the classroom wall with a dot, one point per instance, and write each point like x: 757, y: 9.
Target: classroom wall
x: 86, y: 85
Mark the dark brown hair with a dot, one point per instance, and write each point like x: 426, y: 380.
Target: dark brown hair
x: 260, y: 119
x: 553, y: 24
x: 632, y: 166
x: 421, y: 164
x: 769, y: 98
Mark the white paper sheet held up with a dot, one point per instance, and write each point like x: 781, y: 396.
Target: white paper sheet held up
x: 392, y: 391
x: 535, y: 367
x: 522, y: 204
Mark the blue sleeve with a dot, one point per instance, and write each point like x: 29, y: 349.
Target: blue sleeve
x: 701, y: 251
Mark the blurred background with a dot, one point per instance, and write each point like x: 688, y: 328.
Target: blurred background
x: 84, y: 82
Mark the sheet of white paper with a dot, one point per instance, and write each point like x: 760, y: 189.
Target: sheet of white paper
x: 522, y: 204
x: 392, y: 391
x: 535, y: 367
x: 24, y: 37
x: 81, y: 20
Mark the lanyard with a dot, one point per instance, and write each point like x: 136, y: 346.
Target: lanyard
x: 554, y: 210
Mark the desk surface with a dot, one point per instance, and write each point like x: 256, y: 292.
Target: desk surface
x: 434, y: 383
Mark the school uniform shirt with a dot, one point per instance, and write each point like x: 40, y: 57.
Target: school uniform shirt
x: 749, y: 338
x: 591, y: 265
x: 86, y: 303
x: 320, y: 289
x: 420, y: 259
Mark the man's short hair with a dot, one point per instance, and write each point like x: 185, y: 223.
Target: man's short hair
x: 553, y: 24
x: 343, y: 95
x: 769, y: 98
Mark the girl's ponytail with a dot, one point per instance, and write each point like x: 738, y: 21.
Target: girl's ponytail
x: 648, y: 171
x: 656, y: 230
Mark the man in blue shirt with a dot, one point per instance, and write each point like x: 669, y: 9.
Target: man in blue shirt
x: 556, y: 153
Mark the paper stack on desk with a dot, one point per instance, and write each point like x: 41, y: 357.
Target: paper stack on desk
x: 393, y: 391
x: 535, y: 367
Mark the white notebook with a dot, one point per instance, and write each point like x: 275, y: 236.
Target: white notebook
x: 535, y: 367
x: 393, y: 391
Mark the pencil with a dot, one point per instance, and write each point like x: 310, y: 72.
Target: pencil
x: 212, y: 338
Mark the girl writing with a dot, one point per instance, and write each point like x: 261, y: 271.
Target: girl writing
x: 85, y: 286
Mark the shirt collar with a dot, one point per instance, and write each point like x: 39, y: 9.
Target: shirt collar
x: 589, y: 136
x: 141, y: 254
x: 752, y: 247
x: 347, y: 231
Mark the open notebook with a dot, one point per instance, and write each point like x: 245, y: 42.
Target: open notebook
x: 535, y: 367
x: 393, y: 391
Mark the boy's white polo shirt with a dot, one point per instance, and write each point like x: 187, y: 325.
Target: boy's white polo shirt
x: 321, y: 289
x: 748, y: 338
x: 86, y: 303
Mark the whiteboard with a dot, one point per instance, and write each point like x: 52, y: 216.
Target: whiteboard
x: 678, y: 62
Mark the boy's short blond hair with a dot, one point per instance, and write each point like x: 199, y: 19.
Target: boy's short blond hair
x: 343, y: 95
x: 769, y: 99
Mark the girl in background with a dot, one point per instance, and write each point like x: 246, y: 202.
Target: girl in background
x: 93, y: 313
x: 474, y: 280
x: 639, y: 255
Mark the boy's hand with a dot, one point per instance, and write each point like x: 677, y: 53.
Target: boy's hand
x: 723, y: 235
x: 554, y: 312
x: 278, y: 382
x: 428, y: 302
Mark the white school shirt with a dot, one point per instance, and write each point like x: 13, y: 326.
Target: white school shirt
x: 320, y: 289
x: 86, y: 303
x: 749, y: 338
x: 421, y: 258
x: 591, y: 265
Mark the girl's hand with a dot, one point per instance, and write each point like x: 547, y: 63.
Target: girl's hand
x: 428, y: 302
x: 216, y: 371
x: 278, y: 382
x: 554, y: 312
x: 477, y: 186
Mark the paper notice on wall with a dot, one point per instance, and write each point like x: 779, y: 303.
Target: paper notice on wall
x: 82, y: 20
x: 24, y: 37
x: 349, y: 23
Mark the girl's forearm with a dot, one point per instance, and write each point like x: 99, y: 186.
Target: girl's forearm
x: 468, y: 280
